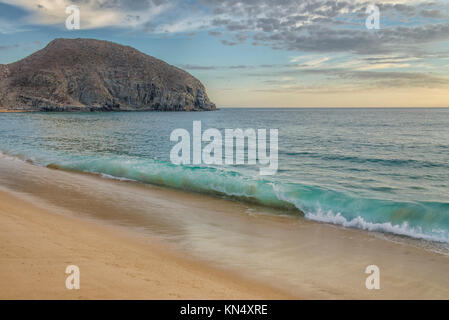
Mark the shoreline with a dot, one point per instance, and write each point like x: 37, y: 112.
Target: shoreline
x: 283, y: 257
x: 14, y: 111
x: 98, y: 111
x: 36, y: 245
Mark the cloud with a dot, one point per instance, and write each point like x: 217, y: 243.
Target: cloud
x: 384, y: 66
x: 9, y: 46
x: 434, y: 14
x: 94, y: 13
x: 332, y: 26
x: 196, y: 67
x: 229, y: 43
x: 356, y: 74
x: 314, y: 63
x: 301, y: 26
x: 317, y: 38
x: 387, y: 79
x: 215, y: 33
x: 232, y: 67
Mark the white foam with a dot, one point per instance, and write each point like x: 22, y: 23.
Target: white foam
x: 108, y: 176
x: 400, y: 229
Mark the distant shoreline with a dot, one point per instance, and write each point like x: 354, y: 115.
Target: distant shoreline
x: 15, y: 111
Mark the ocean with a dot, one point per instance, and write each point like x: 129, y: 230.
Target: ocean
x: 383, y: 170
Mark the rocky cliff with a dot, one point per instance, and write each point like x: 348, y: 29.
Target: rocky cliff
x: 94, y: 75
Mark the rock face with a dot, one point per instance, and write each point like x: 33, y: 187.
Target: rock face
x: 94, y: 75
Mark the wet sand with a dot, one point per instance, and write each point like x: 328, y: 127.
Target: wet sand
x: 36, y: 246
x: 134, y: 241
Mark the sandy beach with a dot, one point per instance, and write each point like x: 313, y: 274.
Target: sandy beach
x: 141, y: 242
x: 36, y: 245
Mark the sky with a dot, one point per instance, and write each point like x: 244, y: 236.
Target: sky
x: 265, y: 53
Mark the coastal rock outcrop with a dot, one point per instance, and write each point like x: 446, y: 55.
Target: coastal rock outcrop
x: 96, y: 75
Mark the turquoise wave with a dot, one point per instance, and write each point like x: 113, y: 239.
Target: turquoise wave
x: 424, y: 220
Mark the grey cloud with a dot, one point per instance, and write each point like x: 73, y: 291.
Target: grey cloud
x: 306, y: 25
x: 434, y: 14
x: 387, y: 79
x: 133, y: 5
x: 399, y: 79
x: 328, y: 26
x: 317, y: 38
x: 402, y: 9
x: 196, y: 67
x: 369, y: 79
x: 321, y: 89
x: 238, y: 67
x: 240, y: 37
x: 9, y: 46
x: 215, y: 33
x: 229, y: 43
x: 238, y: 26
x: 233, y: 67
x: 220, y: 22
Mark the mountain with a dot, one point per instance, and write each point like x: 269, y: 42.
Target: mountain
x: 95, y: 75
